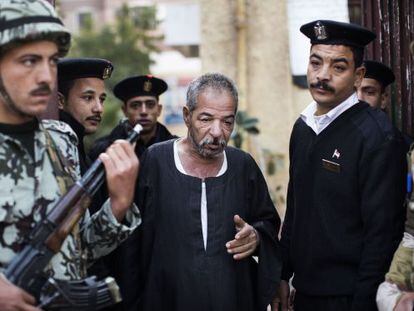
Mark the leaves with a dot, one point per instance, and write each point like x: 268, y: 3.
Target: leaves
x: 127, y: 44
x: 244, y: 124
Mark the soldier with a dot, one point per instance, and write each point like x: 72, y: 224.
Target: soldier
x: 140, y: 97
x: 81, y: 91
x: 35, y: 155
x: 374, y: 87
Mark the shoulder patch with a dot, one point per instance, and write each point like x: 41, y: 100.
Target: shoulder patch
x: 62, y: 128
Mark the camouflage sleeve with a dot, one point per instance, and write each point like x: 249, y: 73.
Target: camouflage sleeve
x: 399, y: 278
x: 401, y: 269
x: 102, y: 233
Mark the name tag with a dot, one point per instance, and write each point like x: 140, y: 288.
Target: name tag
x: 331, y: 166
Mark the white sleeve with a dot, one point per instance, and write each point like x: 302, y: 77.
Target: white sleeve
x: 387, y: 296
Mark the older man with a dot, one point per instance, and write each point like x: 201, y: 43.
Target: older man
x: 345, y: 211
x: 207, y: 211
x: 39, y: 160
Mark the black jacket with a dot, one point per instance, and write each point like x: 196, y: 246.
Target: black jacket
x: 345, y: 211
x: 120, y: 263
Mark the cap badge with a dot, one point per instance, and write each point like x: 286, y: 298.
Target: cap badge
x: 147, y: 86
x: 336, y: 154
x: 320, y: 31
x: 106, y: 73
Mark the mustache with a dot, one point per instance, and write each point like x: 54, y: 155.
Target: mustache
x: 322, y: 85
x: 218, y: 142
x: 44, y: 89
x: 96, y: 118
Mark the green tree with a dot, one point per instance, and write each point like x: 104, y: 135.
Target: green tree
x: 245, y: 125
x: 127, y: 44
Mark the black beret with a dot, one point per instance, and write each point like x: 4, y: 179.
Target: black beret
x: 146, y: 85
x: 332, y: 32
x: 78, y: 68
x: 378, y: 71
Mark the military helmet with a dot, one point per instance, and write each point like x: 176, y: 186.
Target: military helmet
x: 22, y: 20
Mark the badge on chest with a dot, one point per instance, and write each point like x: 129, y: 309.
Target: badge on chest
x: 330, y: 165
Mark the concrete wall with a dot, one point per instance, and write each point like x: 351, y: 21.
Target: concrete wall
x: 270, y: 94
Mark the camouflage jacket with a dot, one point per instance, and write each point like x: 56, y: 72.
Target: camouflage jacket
x: 28, y: 190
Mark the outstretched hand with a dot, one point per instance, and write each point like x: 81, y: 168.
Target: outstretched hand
x: 245, y: 241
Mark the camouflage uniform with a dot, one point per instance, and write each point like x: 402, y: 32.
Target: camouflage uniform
x: 29, y: 189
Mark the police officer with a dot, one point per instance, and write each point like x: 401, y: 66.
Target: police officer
x: 34, y: 153
x: 140, y: 104
x: 345, y: 212
x: 374, y: 87
x: 140, y: 97
x: 81, y: 92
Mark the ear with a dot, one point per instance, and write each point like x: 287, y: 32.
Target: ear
x: 61, y: 101
x: 124, y: 108
x: 384, y: 100
x: 359, y: 76
x: 186, y: 116
x: 159, y: 110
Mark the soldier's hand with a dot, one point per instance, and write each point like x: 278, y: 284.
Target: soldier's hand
x: 121, y: 167
x: 406, y: 302
x: 245, y: 241
x: 12, y: 298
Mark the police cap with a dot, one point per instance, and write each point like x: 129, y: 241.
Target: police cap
x: 146, y: 85
x: 380, y: 72
x: 337, y: 33
x: 79, y: 68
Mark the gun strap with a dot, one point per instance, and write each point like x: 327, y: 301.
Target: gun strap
x: 65, y: 180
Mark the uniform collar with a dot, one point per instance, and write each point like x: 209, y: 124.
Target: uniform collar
x: 319, y: 123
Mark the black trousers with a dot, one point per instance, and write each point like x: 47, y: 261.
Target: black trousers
x: 304, y: 302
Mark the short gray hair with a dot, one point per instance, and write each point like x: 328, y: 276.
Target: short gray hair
x: 215, y: 81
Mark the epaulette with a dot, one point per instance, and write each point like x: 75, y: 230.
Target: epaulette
x: 61, y: 128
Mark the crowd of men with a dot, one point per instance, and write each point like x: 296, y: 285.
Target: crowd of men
x: 187, y: 223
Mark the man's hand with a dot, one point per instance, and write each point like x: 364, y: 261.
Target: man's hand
x: 282, y: 299
x: 406, y: 302
x: 13, y: 298
x: 121, y: 167
x: 246, y: 240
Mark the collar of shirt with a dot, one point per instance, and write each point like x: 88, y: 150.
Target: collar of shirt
x: 180, y: 166
x: 319, y: 123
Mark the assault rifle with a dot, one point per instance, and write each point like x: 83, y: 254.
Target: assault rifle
x: 26, y: 270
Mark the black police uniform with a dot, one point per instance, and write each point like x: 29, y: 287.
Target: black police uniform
x: 121, y: 264
x: 384, y: 75
x: 345, y: 212
x: 70, y: 69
